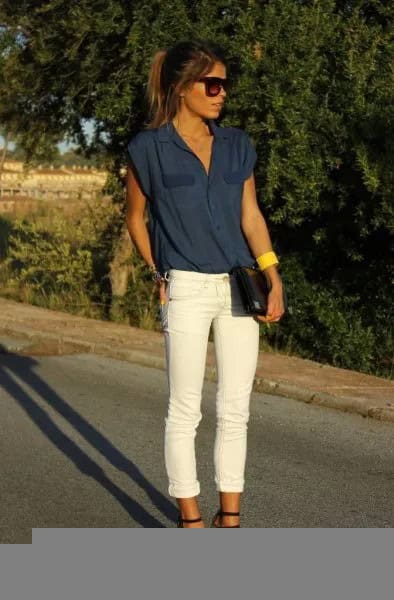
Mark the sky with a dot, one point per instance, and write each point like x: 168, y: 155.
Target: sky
x: 63, y: 146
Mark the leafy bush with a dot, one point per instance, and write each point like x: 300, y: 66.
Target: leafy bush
x: 63, y: 262
x: 328, y: 326
x: 139, y: 306
x: 47, y: 261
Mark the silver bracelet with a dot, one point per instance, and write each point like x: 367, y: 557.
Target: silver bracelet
x: 157, y: 277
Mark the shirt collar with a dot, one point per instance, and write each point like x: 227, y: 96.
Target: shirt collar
x: 167, y: 131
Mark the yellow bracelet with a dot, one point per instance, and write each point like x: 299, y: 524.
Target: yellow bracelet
x: 266, y: 260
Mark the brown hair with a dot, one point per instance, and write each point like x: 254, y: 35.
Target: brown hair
x: 174, y: 68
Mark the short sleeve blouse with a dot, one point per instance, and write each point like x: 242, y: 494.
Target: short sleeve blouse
x: 194, y: 216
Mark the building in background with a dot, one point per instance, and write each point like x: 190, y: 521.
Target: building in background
x: 23, y: 190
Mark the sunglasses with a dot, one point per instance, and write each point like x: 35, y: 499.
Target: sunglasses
x: 213, y: 85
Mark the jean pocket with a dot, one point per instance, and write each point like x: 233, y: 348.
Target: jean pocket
x: 183, y: 289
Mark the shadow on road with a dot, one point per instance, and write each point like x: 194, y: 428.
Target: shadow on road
x: 13, y: 366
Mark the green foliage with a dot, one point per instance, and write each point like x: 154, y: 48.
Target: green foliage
x: 139, y: 306
x: 48, y: 262
x: 5, y: 228
x: 63, y: 262
x: 320, y: 325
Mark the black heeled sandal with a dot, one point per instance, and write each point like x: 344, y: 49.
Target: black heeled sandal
x: 221, y: 513
x: 182, y: 521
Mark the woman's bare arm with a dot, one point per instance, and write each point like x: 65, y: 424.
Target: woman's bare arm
x: 256, y: 232
x: 255, y: 229
x: 135, y: 220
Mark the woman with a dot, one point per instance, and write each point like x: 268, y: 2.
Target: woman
x: 196, y: 180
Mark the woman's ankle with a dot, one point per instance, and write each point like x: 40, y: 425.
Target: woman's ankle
x: 197, y: 525
x: 188, y: 508
x: 230, y: 503
x: 229, y: 521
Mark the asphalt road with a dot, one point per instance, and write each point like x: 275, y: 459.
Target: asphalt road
x: 81, y: 445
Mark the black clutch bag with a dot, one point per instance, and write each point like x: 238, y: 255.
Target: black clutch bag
x: 254, y: 290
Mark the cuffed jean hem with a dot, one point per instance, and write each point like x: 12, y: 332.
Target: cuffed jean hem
x: 223, y: 487
x: 178, y: 492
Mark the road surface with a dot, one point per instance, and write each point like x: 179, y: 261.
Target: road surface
x: 81, y: 443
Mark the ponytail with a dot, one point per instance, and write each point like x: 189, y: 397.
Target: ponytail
x: 156, y: 93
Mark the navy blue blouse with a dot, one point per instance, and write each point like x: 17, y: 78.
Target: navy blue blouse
x: 194, y: 218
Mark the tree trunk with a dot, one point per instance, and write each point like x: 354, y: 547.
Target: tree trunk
x: 4, y: 152
x: 120, y: 270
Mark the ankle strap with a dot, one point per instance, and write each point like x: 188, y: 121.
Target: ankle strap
x: 191, y: 520
x: 229, y: 514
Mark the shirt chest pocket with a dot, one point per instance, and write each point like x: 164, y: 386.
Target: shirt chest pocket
x: 173, y: 180
x: 235, y: 176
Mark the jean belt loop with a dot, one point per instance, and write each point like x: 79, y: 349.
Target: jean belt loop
x: 167, y: 275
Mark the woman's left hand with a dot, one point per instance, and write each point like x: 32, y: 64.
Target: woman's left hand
x: 275, y: 308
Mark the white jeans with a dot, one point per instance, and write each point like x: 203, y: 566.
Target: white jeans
x: 194, y: 301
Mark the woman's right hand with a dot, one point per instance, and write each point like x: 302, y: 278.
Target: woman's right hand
x: 162, y: 292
